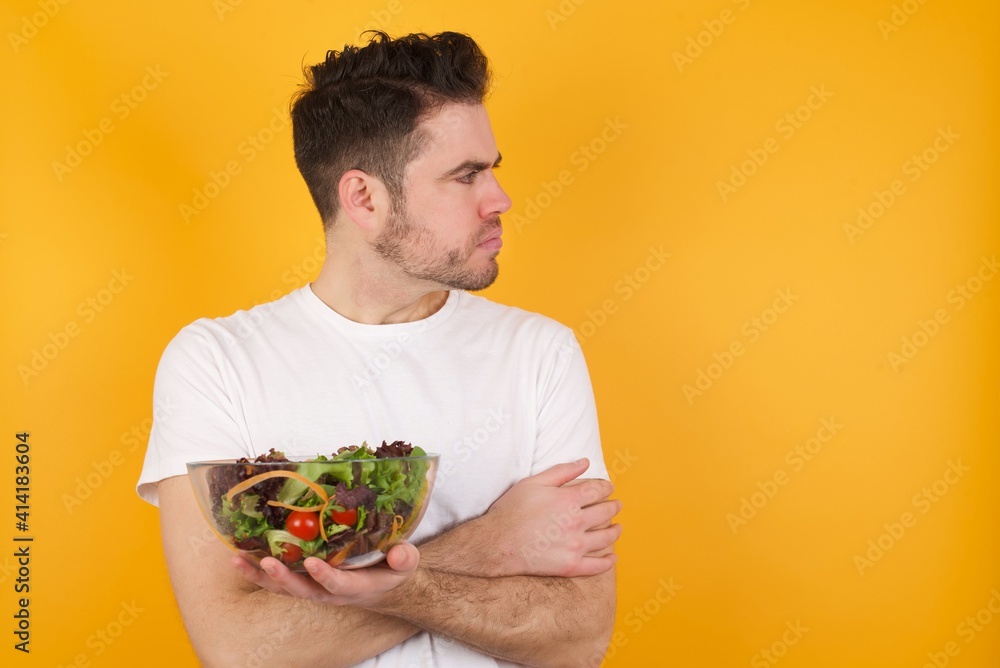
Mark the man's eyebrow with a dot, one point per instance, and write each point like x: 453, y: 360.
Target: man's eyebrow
x: 471, y: 166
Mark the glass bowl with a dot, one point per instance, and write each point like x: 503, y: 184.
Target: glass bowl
x: 368, y: 502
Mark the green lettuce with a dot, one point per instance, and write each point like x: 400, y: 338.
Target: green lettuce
x: 243, y: 519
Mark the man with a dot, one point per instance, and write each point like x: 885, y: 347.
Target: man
x: 515, y: 562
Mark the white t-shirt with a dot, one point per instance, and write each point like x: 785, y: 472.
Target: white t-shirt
x: 498, y: 392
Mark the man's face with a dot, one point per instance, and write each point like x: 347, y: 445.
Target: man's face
x: 448, y: 228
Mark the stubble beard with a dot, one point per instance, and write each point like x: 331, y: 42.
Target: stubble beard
x: 406, y: 244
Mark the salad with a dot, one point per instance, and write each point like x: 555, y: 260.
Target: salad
x: 355, y: 502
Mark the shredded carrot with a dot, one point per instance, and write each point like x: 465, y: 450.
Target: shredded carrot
x: 397, y: 522
x: 250, y: 482
x: 322, y: 509
x: 303, y: 509
x: 336, y: 559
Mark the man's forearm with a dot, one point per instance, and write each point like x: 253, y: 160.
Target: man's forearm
x: 300, y: 631
x: 460, y: 591
x: 538, y: 621
x: 232, y: 622
x: 534, y: 620
x: 491, y: 583
x: 487, y: 582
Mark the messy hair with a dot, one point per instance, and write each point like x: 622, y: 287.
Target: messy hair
x: 361, y: 107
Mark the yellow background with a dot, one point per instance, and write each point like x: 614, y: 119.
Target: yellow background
x: 693, y: 592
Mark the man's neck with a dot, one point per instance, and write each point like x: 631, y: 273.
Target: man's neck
x: 362, y: 294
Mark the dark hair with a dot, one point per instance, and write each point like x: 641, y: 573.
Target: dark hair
x: 359, y: 108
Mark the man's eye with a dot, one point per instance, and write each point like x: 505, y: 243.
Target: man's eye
x: 468, y: 178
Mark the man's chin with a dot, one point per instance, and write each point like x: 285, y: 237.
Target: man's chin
x: 480, y: 282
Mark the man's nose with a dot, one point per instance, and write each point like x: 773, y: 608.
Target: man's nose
x: 498, y: 202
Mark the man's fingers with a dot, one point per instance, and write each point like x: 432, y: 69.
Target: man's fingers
x: 403, y: 558
x: 334, y: 580
x: 601, y: 541
x: 560, y: 474
x: 594, y: 565
x: 327, y: 584
x: 252, y: 574
x: 255, y: 575
x: 294, y: 584
x: 275, y: 577
x: 599, y: 514
x: 593, y: 491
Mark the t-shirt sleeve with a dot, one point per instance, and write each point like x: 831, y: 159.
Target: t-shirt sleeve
x: 567, y: 415
x: 193, y: 412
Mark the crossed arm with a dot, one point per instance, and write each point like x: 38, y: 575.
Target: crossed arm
x: 530, y: 581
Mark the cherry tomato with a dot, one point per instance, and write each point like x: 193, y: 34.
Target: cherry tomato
x: 345, y: 517
x: 303, y: 525
x: 291, y: 554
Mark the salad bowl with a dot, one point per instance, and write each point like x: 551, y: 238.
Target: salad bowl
x: 347, y: 509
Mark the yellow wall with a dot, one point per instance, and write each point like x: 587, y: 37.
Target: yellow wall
x: 800, y: 408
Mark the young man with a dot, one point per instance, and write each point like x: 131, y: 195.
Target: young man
x: 515, y: 562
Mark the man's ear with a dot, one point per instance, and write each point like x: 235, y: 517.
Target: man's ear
x: 363, y: 198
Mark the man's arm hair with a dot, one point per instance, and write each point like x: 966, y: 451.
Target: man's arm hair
x: 471, y: 588
x: 489, y: 583
x: 534, y: 620
x: 537, y: 620
x: 232, y: 622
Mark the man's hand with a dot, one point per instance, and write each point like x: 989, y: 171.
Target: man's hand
x: 505, y: 583
x: 362, y: 587
x: 549, y: 524
x: 219, y: 604
x: 553, y: 524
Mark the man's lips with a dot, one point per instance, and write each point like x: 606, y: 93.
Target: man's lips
x: 493, y: 241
